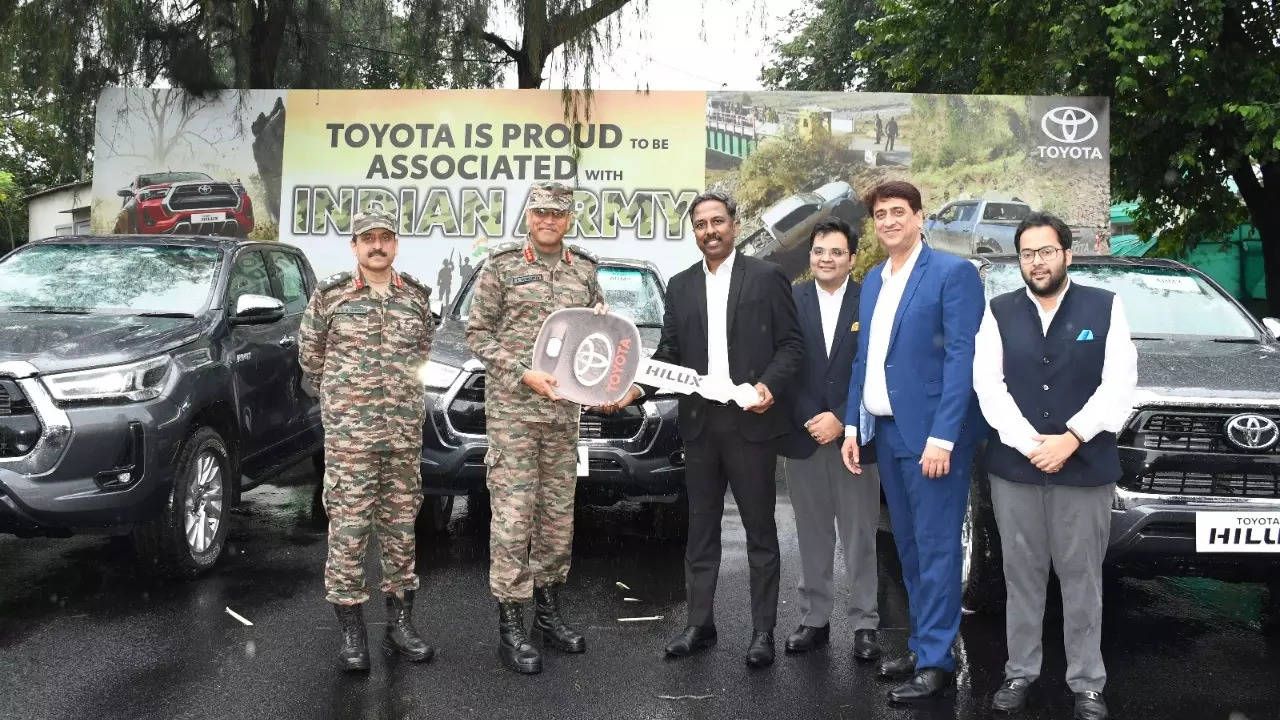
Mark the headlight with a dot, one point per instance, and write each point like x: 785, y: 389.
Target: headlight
x: 135, y: 381
x: 438, y: 375
x: 153, y: 194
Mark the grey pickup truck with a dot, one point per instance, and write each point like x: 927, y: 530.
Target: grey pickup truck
x: 986, y: 225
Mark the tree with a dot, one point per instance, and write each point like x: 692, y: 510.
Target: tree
x: 1193, y: 86
x: 819, y: 53
x: 14, y: 227
x: 576, y: 25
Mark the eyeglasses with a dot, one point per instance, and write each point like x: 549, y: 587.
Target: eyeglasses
x: 1046, y: 253
x: 834, y: 253
x: 550, y: 212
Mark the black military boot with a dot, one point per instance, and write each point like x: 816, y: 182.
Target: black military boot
x: 547, y: 620
x: 514, y: 648
x: 354, y: 654
x: 402, y: 637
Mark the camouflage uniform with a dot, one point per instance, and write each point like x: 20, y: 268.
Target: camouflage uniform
x: 533, y: 441
x: 362, y: 352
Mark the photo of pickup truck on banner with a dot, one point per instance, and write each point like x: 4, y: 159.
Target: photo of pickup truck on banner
x: 455, y: 167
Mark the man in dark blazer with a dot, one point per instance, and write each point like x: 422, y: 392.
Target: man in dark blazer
x: 912, y: 391
x: 825, y: 497
x: 730, y: 315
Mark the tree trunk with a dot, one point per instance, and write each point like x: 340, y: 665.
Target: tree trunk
x: 267, y: 35
x: 543, y: 34
x: 1263, y: 200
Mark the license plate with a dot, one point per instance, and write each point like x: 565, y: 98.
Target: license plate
x: 584, y: 464
x: 208, y: 217
x: 1237, y: 532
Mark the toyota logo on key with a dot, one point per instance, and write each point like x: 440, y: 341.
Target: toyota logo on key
x: 1069, y: 124
x: 591, y: 361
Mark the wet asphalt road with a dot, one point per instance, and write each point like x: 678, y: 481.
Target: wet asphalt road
x: 84, y: 633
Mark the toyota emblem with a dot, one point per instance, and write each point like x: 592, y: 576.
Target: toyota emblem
x: 1250, y: 431
x: 591, y: 361
x: 1070, y: 124
x: 204, y: 189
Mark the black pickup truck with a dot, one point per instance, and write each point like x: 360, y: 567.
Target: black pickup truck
x: 145, y: 382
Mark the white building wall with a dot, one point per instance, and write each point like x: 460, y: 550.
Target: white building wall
x: 62, y: 212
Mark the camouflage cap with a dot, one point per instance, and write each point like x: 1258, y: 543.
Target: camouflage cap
x: 370, y: 219
x: 551, y: 195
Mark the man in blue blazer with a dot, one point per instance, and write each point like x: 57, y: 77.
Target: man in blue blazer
x: 825, y: 498
x: 911, y: 391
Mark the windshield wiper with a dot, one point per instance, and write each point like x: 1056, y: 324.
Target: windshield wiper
x: 54, y: 309
x: 1237, y: 340
x: 165, y: 314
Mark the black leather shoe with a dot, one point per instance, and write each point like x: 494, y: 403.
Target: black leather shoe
x: 760, y: 654
x: 926, y: 684
x: 898, y: 667
x: 807, y: 638
x: 514, y: 648
x: 547, y: 622
x: 402, y: 637
x: 354, y: 654
x: 693, y: 639
x: 866, y: 646
x: 1090, y: 705
x: 1012, y: 695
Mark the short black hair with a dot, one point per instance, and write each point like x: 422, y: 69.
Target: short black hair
x: 718, y: 196
x: 835, y: 225
x: 900, y: 189
x: 1043, y: 219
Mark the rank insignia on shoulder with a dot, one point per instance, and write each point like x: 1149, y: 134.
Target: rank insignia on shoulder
x: 333, y: 281
x: 503, y: 249
x: 583, y: 253
x: 415, y: 282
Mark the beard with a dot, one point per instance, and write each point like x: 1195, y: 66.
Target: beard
x: 1052, y: 285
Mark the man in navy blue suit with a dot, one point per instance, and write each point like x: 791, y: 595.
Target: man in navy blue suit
x: 912, y: 391
x: 825, y: 498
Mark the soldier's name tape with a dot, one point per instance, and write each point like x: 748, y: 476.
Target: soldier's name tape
x: 606, y: 358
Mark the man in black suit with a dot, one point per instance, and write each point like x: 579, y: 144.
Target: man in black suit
x: 730, y: 315
x: 825, y: 497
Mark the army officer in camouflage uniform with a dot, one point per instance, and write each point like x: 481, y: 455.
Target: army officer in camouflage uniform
x: 533, y: 434
x: 364, y: 336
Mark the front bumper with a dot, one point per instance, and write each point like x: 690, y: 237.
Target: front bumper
x: 93, y: 466
x: 647, y: 466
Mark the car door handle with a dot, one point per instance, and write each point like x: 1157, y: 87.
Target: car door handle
x: 288, y: 341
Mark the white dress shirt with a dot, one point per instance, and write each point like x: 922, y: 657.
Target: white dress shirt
x: 875, y: 389
x: 1106, y: 409
x: 829, y: 309
x: 717, y: 316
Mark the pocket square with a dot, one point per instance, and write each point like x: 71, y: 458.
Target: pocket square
x: 1084, y: 335
x: 854, y: 327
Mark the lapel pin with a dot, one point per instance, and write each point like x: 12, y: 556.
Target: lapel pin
x: 854, y: 327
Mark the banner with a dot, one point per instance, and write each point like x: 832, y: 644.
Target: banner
x: 456, y: 165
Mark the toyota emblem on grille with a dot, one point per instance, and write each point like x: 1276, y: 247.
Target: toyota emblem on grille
x: 591, y: 361
x: 204, y: 189
x: 1250, y: 431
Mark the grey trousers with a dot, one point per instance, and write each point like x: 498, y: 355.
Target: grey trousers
x: 1070, y: 528
x: 827, y: 498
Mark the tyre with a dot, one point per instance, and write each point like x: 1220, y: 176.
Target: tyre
x: 982, y: 571
x: 189, y: 535
x: 433, y: 517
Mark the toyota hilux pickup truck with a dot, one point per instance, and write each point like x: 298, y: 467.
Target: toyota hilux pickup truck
x: 145, y: 383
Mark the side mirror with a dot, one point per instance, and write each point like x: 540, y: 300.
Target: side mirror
x: 256, y: 310
x: 1273, y: 325
x: 933, y: 216
x: 124, y: 193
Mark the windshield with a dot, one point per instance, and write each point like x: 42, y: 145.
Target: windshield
x: 1005, y: 212
x: 170, y: 177
x: 109, y: 278
x: 1158, y: 302
x: 633, y: 293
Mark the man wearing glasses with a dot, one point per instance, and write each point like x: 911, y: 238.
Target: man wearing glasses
x: 1055, y: 370
x: 533, y: 433
x: 826, y: 498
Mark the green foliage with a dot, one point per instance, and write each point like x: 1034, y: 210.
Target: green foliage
x: 786, y: 163
x: 820, y: 52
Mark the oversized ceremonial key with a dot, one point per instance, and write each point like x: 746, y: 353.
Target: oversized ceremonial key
x: 596, y: 358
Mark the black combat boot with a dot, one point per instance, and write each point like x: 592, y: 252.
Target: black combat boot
x: 514, y: 648
x: 402, y: 637
x: 547, y: 620
x: 354, y: 654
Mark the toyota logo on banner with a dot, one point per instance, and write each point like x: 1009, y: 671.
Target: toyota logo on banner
x: 1070, y: 126
x: 1252, y: 432
x: 591, y: 361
